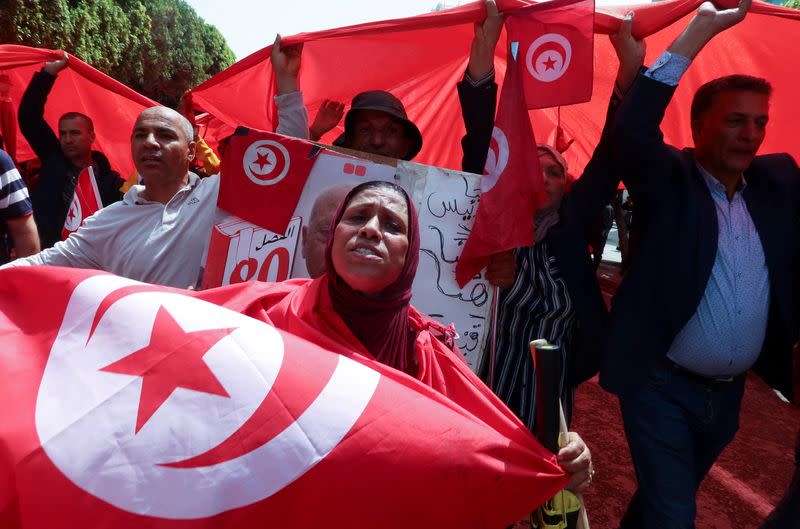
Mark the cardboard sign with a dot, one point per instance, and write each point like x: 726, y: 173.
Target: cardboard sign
x: 240, y: 251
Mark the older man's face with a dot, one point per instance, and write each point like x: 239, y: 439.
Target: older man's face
x: 161, y: 151
x: 316, y: 232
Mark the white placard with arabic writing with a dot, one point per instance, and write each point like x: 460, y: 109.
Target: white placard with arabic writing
x: 446, y: 203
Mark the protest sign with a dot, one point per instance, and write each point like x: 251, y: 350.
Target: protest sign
x: 446, y: 202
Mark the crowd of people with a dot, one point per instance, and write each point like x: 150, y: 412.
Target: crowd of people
x: 712, y: 258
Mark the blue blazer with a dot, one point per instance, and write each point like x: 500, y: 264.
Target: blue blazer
x: 676, y: 243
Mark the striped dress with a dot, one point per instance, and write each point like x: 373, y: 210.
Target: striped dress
x: 537, y: 305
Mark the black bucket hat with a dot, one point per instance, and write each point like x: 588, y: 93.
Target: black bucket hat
x: 382, y: 101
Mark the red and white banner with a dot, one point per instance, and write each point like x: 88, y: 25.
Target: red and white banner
x: 556, y: 46
x: 259, y: 166
x: 85, y: 202
x: 140, y: 406
x: 511, y: 187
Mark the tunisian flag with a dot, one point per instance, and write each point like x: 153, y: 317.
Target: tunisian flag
x: 556, y: 47
x: 140, y: 406
x: 263, y: 175
x: 85, y: 202
x: 511, y: 187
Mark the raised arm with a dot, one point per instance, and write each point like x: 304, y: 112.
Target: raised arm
x: 40, y: 136
x: 639, y: 119
x: 292, y: 113
x: 477, y: 93
x: 600, y: 179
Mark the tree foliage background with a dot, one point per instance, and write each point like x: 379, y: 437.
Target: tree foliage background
x: 159, y: 48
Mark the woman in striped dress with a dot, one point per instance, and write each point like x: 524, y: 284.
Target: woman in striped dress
x: 550, y: 289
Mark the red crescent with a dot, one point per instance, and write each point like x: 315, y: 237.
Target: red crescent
x: 551, y: 46
x: 113, y: 298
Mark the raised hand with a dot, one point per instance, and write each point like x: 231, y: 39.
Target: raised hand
x: 329, y: 115
x: 54, y: 67
x: 708, y: 22
x: 630, y: 52
x: 719, y: 20
x: 286, y: 64
x: 487, y: 33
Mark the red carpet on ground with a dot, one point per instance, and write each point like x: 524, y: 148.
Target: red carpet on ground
x: 748, y: 479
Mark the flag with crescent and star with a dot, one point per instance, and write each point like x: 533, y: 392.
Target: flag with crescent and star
x: 263, y: 175
x: 556, y: 47
x: 511, y: 186
x: 85, y: 202
x: 127, y: 405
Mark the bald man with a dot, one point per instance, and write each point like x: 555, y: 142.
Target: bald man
x: 159, y: 231
x: 315, y: 232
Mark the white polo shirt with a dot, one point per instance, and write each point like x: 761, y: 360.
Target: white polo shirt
x: 143, y: 240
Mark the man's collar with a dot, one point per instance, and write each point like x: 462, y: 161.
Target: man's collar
x: 715, y: 184
x: 134, y: 194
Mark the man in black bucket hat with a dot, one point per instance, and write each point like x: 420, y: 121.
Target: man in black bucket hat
x: 377, y: 123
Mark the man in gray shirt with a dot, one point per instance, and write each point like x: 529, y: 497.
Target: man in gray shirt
x: 159, y: 231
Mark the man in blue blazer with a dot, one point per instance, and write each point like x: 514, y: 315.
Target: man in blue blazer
x: 712, y: 290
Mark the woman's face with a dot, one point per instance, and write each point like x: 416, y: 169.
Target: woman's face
x: 554, y: 179
x: 371, y: 240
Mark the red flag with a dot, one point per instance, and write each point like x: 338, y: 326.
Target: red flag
x: 85, y: 202
x: 141, y: 406
x: 112, y: 106
x: 556, y: 46
x: 242, y: 94
x: 512, y: 186
x: 263, y: 175
x: 8, y: 118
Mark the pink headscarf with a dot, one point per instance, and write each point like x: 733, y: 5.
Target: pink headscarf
x: 560, y: 160
x: 379, y: 322
x: 544, y: 219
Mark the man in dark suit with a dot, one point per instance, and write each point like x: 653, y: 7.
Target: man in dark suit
x: 713, y: 286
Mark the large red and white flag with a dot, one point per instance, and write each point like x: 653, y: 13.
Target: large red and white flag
x: 263, y: 175
x: 140, y: 406
x: 511, y: 187
x: 85, y: 202
x: 556, y: 46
